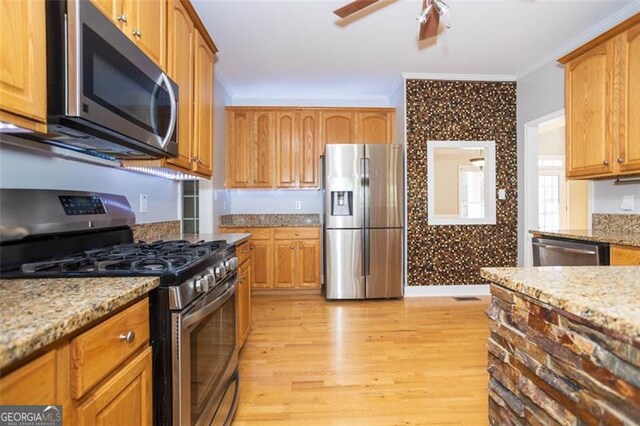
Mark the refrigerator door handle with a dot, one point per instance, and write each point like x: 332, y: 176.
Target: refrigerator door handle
x: 367, y: 252
x: 367, y: 192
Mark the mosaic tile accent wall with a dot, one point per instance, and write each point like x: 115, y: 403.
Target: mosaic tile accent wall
x: 460, y: 110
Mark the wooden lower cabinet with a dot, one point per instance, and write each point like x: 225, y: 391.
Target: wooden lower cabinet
x: 283, y: 258
x: 125, y: 399
x: 243, y: 302
x: 625, y: 255
x: 122, y: 397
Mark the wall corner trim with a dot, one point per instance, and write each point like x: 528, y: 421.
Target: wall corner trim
x: 458, y: 77
x: 447, y: 290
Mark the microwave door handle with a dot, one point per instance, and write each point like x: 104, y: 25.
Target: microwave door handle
x: 174, y: 113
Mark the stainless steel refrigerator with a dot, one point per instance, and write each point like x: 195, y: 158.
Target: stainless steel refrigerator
x: 364, y: 198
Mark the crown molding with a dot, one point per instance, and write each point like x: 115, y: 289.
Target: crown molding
x: 458, y: 77
x: 605, y: 25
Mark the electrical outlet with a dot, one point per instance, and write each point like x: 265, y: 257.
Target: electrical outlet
x: 298, y: 205
x: 502, y: 194
x: 144, y: 206
x: 627, y: 203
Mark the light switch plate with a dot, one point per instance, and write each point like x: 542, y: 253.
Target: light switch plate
x: 502, y: 194
x: 144, y: 207
x: 628, y: 203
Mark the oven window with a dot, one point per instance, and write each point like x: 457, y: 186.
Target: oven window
x: 213, y: 343
x: 115, y: 83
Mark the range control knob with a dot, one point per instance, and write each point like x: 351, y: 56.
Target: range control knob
x: 211, y: 279
x: 221, y: 272
x: 201, y: 285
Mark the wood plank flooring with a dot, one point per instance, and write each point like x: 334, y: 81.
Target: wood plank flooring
x: 416, y: 361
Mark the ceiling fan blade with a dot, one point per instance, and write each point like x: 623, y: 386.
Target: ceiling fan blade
x: 353, y: 7
x: 430, y: 28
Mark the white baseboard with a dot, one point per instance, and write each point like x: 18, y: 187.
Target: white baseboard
x: 446, y: 290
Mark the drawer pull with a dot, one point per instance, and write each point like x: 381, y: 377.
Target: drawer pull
x: 122, y: 18
x: 620, y: 160
x: 129, y: 337
x: 605, y: 162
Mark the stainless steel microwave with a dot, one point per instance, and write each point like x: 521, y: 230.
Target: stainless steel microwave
x: 104, y: 94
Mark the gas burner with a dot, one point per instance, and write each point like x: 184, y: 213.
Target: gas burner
x: 141, y: 257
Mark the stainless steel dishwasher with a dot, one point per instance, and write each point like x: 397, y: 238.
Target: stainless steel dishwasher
x: 561, y: 252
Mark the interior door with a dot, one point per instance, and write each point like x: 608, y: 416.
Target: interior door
x: 344, y: 262
x: 385, y: 190
x: 384, y: 263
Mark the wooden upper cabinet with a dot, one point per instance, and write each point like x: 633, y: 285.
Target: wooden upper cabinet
x: 111, y: 9
x: 308, y: 149
x: 629, y: 154
x: 238, y: 141
x: 589, y: 125
x: 203, y: 111
x: 150, y: 29
x: 602, y: 105
x: 374, y: 127
x: 23, y: 77
x: 181, y: 70
x: 262, y: 158
x: 287, y: 150
x: 338, y: 127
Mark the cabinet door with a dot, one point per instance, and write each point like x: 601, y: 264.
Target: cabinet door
x: 308, y: 263
x: 238, y: 145
x: 32, y: 384
x: 374, y: 127
x: 125, y: 399
x: 112, y: 9
x: 589, y: 96
x: 181, y: 60
x: 629, y: 155
x: 262, y: 159
x: 308, y: 143
x: 262, y: 261
x: 150, y: 30
x: 285, y: 261
x: 286, y: 150
x: 625, y: 255
x: 23, y: 60
x: 338, y: 127
x: 203, y: 125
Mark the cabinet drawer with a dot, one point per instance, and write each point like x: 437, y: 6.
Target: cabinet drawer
x: 243, y: 251
x: 297, y: 233
x: 625, y: 255
x: 98, y: 351
x: 256, y: 233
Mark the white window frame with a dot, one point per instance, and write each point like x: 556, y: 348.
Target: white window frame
x: 489, y: 170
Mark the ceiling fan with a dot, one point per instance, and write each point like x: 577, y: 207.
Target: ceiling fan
x: 429, y: 21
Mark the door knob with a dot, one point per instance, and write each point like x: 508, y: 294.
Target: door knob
x: 605, y: 162
x: 620, y: 160
x: 122, y: 18
x: 137, y: 33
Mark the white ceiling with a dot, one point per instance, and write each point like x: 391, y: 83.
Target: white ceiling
x: 299, y: 49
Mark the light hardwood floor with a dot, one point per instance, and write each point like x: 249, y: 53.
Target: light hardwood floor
x: 416, y: 361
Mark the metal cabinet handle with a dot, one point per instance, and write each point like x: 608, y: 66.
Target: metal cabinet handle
x: 129, y: 337
x: 137, y: 33
x: 194, y: 158
x: 564, y: 249
x: 620, y: 160
x: 605, y: 162
x: 122, y: 18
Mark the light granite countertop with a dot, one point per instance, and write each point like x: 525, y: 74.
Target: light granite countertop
x: 601, y: 236
x: 37, y: 312
x: 231, y: 238
x: 269, y: 220
x: 607, y: 296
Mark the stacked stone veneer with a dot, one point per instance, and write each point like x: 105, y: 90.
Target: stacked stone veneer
x: 549, y: 367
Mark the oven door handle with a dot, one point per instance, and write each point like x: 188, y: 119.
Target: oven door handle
x: 202, y: 312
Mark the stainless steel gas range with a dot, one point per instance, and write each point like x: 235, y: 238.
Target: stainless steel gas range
x: 54, y: 233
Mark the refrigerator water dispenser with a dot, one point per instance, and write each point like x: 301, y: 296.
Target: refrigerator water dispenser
x: 341, y: 203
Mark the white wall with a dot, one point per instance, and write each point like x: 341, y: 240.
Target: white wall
x: 213, y: 197
x: 260, y: 202
x: 24, y: 168
x: 607, y: 197
x: 538, y: 94
x: 398, y: 101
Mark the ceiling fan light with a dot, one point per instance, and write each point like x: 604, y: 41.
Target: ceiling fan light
x: 424, y: 15
x: 444, y: 11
